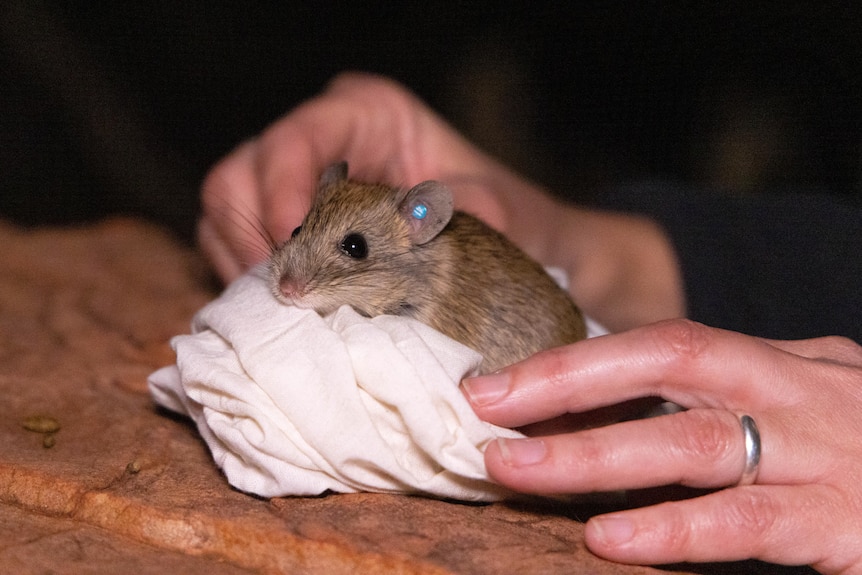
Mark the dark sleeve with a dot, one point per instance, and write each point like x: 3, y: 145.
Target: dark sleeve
x: 783, y: 266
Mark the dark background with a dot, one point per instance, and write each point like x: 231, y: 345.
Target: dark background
x: 121, y: 107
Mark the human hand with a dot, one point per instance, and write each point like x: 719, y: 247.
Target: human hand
x: 805, y: 396
x: 385, y: 134
x: 622, y: 270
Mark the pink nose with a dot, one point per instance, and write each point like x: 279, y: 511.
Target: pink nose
x: 290, y: 287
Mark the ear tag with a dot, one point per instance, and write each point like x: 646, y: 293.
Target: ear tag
x: 420, y: 211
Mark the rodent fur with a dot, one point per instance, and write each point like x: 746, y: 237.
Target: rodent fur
x: 467, y: 280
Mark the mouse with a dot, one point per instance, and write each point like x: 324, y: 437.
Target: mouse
x: 407, y: 252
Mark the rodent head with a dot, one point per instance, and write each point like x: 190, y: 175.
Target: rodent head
x: 361, y: 245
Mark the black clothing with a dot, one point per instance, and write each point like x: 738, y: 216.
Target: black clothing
x: 784, y: 266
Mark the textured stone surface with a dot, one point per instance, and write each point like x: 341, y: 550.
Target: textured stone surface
x: 85, y: 316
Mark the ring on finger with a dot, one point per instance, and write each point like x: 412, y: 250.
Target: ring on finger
x: 751, y: 436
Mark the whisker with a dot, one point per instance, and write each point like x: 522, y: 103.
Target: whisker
x: 259, y: 240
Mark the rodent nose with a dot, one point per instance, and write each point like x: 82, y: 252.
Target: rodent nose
x: 290, y: 287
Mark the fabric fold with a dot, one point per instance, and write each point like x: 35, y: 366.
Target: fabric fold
x: 291, y: 403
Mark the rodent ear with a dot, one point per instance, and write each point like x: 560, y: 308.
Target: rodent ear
x: 427, y: 207
x: 332, y: 175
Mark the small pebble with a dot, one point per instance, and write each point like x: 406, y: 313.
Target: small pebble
x: 41, y: 424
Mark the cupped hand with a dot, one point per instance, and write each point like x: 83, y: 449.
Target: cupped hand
x: 384, y: 132
x: 805, y: 396
x: 622, y: 269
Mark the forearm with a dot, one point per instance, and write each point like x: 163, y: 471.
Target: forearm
x: 623, y: 270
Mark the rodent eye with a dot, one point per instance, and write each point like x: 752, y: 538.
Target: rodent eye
x: 295, y: 232
x: 354, y: 245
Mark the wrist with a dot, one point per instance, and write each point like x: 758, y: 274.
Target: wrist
x: 623, y: 269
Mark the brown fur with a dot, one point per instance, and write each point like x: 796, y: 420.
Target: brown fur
x: 469, y: 282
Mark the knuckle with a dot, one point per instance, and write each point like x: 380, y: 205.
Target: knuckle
x: 704, y: 436
x: 751, y: 511
x: 747, y: 516
x: 683, y: 339
x: 671, y: 530
x: 591, y: 452
x: 552, y: 366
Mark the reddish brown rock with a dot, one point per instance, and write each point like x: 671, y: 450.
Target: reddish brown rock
x: 93, y: 478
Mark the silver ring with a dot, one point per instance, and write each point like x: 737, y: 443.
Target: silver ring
x: 752, y: 450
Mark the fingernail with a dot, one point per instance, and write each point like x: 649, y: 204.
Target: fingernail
x: 612, y: 530
x: 521, y: 452
x: 486, y: 389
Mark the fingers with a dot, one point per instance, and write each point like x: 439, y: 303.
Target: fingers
x: 714, y: 373
x: 679, y: 360
x: 803, y: 395
x: 268, y: 182
x: 702, y: 448
x: 364, y: 120
x: 256, y: 195
x: 768, y: 523
x: 697, y: 448
x: 387, y: 135
x: 384, y: 132
x: 231, y: 231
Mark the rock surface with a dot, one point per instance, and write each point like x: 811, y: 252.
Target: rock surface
x: 95, y: 479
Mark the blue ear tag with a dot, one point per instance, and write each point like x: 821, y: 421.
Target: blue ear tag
x: 420, y: 211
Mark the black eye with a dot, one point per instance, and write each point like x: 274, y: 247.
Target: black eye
x: 354, y: 246
x: 295, y: 231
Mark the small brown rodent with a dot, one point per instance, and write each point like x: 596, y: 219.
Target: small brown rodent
x: 406, y: 252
